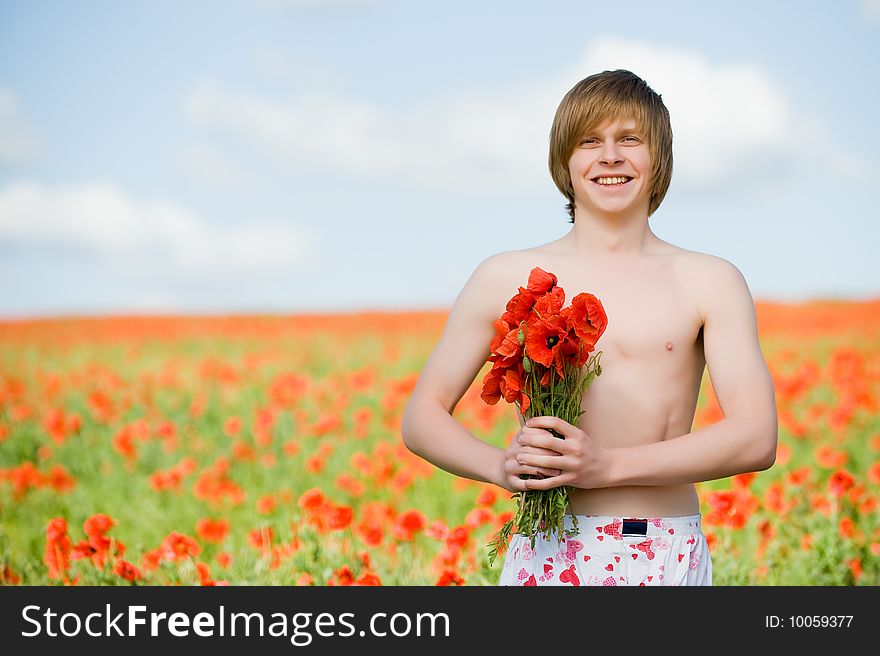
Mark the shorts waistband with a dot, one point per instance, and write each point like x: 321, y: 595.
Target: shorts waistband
x: 622, y: 525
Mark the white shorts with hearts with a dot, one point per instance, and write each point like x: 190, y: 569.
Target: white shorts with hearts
x: 611, y: 550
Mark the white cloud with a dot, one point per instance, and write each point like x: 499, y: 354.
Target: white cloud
x: 146, y: 236
x: 728, y: 121
x: 205, y: 164
x: 18, y: 143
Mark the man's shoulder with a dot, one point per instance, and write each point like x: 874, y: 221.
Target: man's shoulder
x: 703, y: 266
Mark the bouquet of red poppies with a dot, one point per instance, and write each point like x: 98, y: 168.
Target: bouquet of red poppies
x: 542, y: 362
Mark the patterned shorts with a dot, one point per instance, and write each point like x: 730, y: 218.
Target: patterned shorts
x: 612, y: 550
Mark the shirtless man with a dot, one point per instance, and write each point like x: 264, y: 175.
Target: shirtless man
x: 671, y: 312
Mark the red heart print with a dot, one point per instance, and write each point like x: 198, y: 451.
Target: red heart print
x: 613, y: 529
x: 609, y: 567
x: 691, y: 540
x: 600, y: 537
x: 617, y: 559
x: 532, y: 581
x: 586, y: 558
x: 680, y: 556
x: 634, y: 556
x: 547, y: 568
x: 549, y: 560
x: 569, y: 576
x: 650, y: 578
x: 672, y: 531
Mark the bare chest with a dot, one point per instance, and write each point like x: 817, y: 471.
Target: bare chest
x: 653, y: 317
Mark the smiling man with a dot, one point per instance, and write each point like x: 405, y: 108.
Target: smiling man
x: 633, y: 458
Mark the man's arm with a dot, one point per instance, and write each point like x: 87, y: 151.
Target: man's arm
x: 428, y: 428
x: 745, y: 440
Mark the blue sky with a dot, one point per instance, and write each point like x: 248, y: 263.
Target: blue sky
x: 306, y: 155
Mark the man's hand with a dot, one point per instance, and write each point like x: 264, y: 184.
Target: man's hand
x: 519, y: 446
x: 580, y: 461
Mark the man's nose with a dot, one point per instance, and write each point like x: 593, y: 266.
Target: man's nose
x: 610, y: 154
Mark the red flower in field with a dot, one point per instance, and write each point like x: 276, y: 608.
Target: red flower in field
x: 478, y: 516
x: 223, y: 559
x: 204, y: 572
x: 820, y: 503
x: 177, y: 546
x: 874, y: 473
x: 151, y: 559
x: 123, y: 443
x: 212, y: 530
x: 305, y: 579
x: 98, y: 525
x: 170, y: 480
x: 340, y: 517
x: 261, y: 538
x: 311, y: 499
x: 8, y: 576
x: 730, y: 508
x: 368, y: 578
x: 799, y: 476
x: 449, y: 577
x: 846, y: 527
x: 371, y: 533
x: 744, y: 481
x: 232, y: 426
x: 855, y: 566
x: 126, y: 570
x: 266, y: 504
x: 315, y: 464
x: 347, y: 483
x: 487, y: 497
x: 97, y: 548
x: 437, y: 530
x: 840, y: 482
x: 828, y: 457
x: 342, y: 576
x: 409, y: 523
x: 457, y: 537
x: 57, y: 554
x: 774, y: 499
x: 59, y: 479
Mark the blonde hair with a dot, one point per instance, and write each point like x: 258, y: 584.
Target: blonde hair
x: 610, y: 96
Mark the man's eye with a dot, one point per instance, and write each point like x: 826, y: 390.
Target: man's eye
x: 586, y: 140
x: 633, y: 138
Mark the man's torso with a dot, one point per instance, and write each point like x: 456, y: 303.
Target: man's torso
x: 652, y: 361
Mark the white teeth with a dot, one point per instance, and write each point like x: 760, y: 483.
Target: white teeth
x: 611, y: 181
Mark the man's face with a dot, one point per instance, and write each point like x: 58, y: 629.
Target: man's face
x: 612, y: 151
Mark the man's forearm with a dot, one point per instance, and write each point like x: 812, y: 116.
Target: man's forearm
x: 727, y: 447
x: 432, y: 433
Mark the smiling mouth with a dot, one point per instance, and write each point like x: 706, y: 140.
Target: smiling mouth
x: 612, y: 182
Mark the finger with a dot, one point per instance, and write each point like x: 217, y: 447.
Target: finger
x: 538, y: 451
x: 540, y: 483
x: 543, y: 439
x: 542, y: 472
x: 549, y: 462
x: 548, y: 422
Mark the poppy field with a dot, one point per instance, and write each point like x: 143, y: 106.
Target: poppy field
x: 266, y: 450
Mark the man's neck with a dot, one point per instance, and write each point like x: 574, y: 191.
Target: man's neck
x: 610, y: 236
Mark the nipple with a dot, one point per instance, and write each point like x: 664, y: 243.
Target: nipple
x: 668, y: 346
